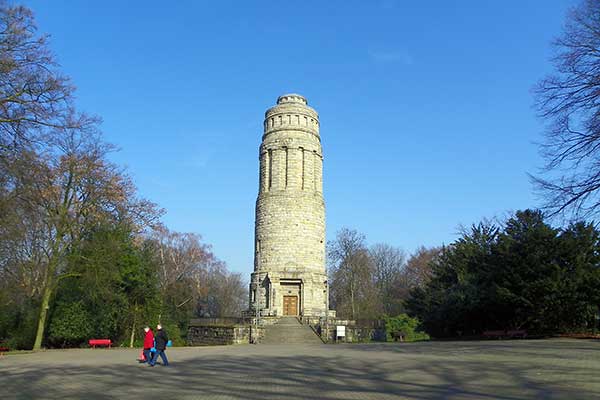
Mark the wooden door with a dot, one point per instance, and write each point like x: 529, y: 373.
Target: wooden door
x: 290, y: 305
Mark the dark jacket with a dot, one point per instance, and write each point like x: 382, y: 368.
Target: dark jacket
x: 160, y: 340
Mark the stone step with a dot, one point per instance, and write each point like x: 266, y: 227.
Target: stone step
x: 288, y: 330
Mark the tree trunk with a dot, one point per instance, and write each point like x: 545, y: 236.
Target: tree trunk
x: 131, y: 339
x: 48, y: 288
x: 50, y: 280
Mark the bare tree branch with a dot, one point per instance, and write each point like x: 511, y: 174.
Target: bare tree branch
x: 569, y: 102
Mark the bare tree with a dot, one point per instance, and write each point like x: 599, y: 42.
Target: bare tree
x: 352, y: 276
x: 569, y: 101
x: 389, y: 263
x: 34, y: 95
x: 181, y: 256
x: 21, y: 243
x: 227, y: 294
x: 193, y: 278
x: 418, y: 267
x: 185, y: 264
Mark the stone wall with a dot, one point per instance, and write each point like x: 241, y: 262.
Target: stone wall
x: 213, y: 332
x: 356, y: 331
x: 226, y: 331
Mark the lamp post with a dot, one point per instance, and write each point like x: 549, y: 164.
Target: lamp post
x: 257, y: 301
x: 326, y: 311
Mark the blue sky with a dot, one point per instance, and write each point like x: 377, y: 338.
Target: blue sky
x: 425, y: 106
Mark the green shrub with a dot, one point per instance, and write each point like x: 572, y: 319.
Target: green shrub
x: 21, y: 324
x: 71, y: 324
x: 174, y: 333
x: 405, y: 325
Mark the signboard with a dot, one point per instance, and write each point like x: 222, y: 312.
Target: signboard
x: 340, y: 330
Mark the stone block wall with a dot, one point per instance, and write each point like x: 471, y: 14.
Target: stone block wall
x: 207, y: 333
x: 355, y: 330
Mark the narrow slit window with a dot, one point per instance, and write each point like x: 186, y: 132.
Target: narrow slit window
x: 286, y: 166
x: 269, y: 169
x: 315, y: 157
x: 267, y: 299
x: 302, y: 151
x: 261, y: 172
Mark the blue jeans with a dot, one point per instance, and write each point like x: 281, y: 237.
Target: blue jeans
x: 163, y: 357
x: 148, y: 355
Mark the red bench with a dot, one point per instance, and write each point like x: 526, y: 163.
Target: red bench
x: 509, y: 334
x: 517, y: 334
x: 100, y: 342
x: 494, y: 334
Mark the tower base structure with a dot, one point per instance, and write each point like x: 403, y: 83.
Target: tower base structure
x: 291, y: 293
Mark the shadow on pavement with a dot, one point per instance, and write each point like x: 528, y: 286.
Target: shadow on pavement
x: 347, y: 373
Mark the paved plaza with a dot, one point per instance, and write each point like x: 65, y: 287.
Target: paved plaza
x: 520, y: 369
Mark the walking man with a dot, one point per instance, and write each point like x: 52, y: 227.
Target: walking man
x: 160, y: 344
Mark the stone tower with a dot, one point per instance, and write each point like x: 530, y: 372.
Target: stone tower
x: 289, y: 275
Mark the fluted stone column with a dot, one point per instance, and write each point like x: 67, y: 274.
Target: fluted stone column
x: 290, y: 213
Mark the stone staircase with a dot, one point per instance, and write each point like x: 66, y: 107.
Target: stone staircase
x: 288, y: 330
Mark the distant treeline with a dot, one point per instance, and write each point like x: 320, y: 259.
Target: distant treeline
x: 368, y: 282
x: 518, y: 274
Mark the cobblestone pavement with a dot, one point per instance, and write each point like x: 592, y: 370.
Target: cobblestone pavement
x: 520, y: 369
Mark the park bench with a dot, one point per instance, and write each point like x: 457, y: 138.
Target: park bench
x: 100, y: 342
x: 517, y: 334
x: 506, y: 334
x: 494, y: 334
x: 397, y: 336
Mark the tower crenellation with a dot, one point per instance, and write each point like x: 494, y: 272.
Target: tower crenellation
x: 291, y: 111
